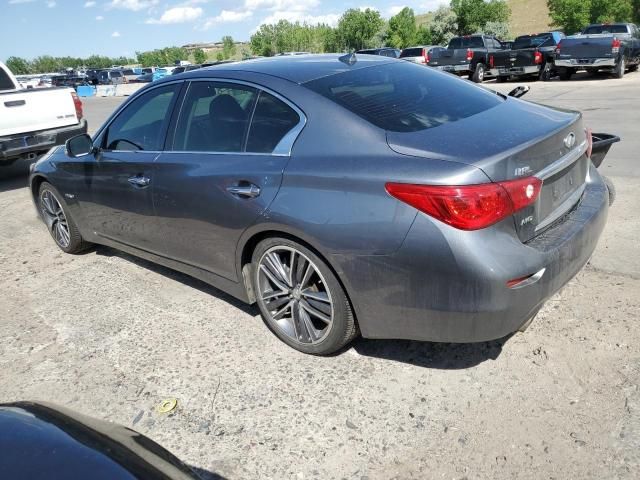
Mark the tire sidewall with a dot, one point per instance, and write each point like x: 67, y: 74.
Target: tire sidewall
x: 75, y: 240
x: 341, y: 309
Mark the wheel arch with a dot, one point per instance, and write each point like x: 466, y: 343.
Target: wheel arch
x: 35, y: 183
x: 252, y: 237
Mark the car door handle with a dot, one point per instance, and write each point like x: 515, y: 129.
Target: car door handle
x: 139, y: 181
x: 245, y: 190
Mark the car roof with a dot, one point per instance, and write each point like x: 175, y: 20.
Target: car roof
x: 295, y: 68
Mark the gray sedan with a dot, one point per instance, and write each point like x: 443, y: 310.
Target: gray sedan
x: 343, y: 195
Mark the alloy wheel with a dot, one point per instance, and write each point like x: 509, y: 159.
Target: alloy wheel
x: 295, y: 295
x: 55, y: 218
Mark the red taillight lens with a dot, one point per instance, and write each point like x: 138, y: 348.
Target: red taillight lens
x: 589, y: 141
x: 469, y: 54
x: 469, y: 207
x: 78, y: 104
x: 425, y: 54
x: 537, y: 58
x: 558, y: 47
x: 491, y: 62
x: 615, y: 46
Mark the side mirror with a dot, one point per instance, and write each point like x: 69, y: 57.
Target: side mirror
x: 79, y: 146
x: 519, y: 91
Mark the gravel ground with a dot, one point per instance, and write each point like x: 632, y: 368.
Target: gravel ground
x: 111, y: 336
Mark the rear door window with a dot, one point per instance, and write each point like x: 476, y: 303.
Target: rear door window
x: 214, y: 117
x: 272, y: 120
x: 5, y: 82
x: 404, y: 97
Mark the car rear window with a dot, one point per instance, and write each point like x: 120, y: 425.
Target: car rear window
x: 411, y: 52
x: 597, y: 29
x: 466, y: 42
x: 404, y: 97
x: 5, y: 82
x: 532, y: 41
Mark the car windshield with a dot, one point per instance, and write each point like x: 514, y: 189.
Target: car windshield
x: 597, y: 29
x: 404, y: 97
x: 466, y: 42
x: 533, y: 41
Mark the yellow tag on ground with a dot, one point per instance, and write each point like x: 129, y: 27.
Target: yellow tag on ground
x: 167, y: 405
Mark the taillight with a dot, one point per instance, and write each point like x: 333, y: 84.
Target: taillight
x: 615, y: 46
x: 469, y: 54
x: 491, y: 63
x: 589, y: 134
x: 78, y: 104
x: 425, y: 54
x: 558, y: 47
x: 469, y: 207
x: 537, y: 58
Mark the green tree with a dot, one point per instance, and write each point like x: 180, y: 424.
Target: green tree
x: 228, y: 47
x: 444, y: 26
x: 498, y: 29
x: 569, y: 15
x: 603, y: 11
x: 402, y: 30
x: 219, y: 56
x: 199, y: 56
x: 473, y: 15
x: 424, y: 36
x: 357, y: 28
x: 19, y: 66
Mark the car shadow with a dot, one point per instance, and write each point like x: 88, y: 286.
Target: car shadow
x: 177, y: 276
x: 206, y: 474
x: 13, y: 178
x: 440, y: 356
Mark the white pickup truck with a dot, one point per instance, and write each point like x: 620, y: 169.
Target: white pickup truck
x: 34, y: 120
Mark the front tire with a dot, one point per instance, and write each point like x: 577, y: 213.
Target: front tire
x: 59, y: 222
x: 300, y: 298
x: 478, y: 73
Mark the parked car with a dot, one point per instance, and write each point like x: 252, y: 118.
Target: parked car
x: 186, y: 68
x: 612, y: 47
x: 41, y: 440
x: 339, y: 198
x: 529, y: 55
x: 421, y: 54
x: 148, y: 70
x: 384, y: 51
x: 111, y: 77
x: 145, y: 78
x: 129, y: 75
x: 468, y: 55
x: 34, y: 120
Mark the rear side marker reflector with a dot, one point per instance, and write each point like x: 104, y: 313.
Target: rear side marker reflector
x: 525, y: 281
x: 469, y: 207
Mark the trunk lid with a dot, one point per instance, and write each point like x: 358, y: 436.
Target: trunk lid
x: 586, y: 46
x: 513, y: 140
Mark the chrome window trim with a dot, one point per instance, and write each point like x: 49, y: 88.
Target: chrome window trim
x: 284, y: 147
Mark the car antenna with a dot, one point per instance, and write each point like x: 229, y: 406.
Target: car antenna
x: 349, y: 58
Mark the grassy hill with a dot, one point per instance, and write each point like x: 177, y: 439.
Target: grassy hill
x: 527, y: 16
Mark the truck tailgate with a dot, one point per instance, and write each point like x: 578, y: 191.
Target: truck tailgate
x: 586, y: 46
x: 36, y: 109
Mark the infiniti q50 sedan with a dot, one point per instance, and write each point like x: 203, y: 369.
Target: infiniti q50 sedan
x: 343, y: 195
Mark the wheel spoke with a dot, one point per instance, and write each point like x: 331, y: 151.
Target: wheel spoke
x: 292, y: 263
x: 271, y: 276
x: 307, y: 275
x: 315, y: 312
x: 277, y: 267
x: 278, y: 315
x: 277, y: 303
x: 319, y: 296
x: 308, y: 324
x: 276, y: 294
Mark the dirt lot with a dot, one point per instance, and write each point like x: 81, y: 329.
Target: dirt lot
x: 111, y: 336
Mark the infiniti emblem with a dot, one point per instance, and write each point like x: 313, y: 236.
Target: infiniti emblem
x: 570, y: 140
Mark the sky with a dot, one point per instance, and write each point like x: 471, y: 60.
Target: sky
x: 80, y: 28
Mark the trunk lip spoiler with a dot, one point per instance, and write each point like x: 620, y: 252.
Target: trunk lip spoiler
x: 563, y: 162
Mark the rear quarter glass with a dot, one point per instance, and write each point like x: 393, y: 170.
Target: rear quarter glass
x: 403, y: 97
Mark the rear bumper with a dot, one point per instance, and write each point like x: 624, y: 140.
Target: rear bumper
x: 503, y: 71
x: 446, y: 285
x: 16, y: 146
x: 455, y: 68
x: 586, y: 62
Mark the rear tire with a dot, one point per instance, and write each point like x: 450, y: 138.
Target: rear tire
x: 545, y: 73
x: 55, y: 214
x: 565, y: 73
x: 478, y: 73
x: 300, y: 298
x: 618, y: 72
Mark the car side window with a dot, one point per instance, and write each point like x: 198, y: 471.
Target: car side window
x: 214, y: 117
x: 272, y: 120
x: 139, y: 125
